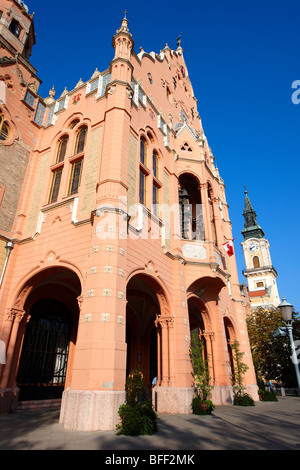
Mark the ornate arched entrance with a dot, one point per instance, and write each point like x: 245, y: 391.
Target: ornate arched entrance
x: 43, y: 364
x: 43, y: 323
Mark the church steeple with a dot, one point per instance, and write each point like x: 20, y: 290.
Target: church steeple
x: 251, y: 227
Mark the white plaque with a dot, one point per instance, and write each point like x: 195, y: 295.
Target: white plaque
x: 194, y: 251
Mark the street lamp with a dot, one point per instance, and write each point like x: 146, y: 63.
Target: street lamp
x: 286, y: 311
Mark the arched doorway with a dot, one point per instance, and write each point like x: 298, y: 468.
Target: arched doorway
x: 46, y: 338
x: 197, y: 327
x: 149, y: 335
x: 141, y: 333
x: 230, y: 338
x: 43, y: 364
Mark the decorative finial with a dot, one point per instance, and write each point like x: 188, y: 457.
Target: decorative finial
x: 124, y: 24
x: 246, y: 192
x: 179, y: 40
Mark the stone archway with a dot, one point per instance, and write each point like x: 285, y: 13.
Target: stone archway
x: 230, y: 338
x: 47, y: 303
x: 148, y: 337
x: 200, y: 327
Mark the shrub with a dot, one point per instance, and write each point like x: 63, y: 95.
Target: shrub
x: 265, y: 395
x: 137, y: 420
x: 243, y: 399
x: 201, y: 407
x: 137, y: 415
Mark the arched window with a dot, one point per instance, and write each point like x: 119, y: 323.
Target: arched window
x: 143, y: 152
x: 155, y: 164
x: 80, y: 140
x: 4, y: 129
x: 15, y: 28
x: 256, y: 262
x: 62, y: 148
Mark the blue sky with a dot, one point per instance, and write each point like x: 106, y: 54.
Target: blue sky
x: 242, y: 59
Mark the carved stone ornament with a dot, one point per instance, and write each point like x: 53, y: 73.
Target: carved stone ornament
x: 111, y: 89
x: 15, y: 314
x: 129, y: 92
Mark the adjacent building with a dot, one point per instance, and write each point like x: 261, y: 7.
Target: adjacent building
x: 260, y: 273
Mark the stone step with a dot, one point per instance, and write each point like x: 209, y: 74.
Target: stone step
x: 38, y: 404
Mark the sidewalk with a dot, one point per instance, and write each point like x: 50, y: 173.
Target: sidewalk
x: 266, y: 426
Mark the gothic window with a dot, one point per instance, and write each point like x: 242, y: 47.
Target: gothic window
x: 15, y: 28
x: 74, y: 123
x: 155, y: 198
x: 256, y: 262
x: 143, y: 152
x: 55, y: 185
x: 76, y: 169
x: 4, y: 128
x: 155, y: 164
x: 62, y: 148
x: 142, y: 188
x: 80, y: 140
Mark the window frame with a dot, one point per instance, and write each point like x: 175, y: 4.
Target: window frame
x: 16, y: 24
x: 142, y: 188
x: 60, y: 155
x: 77, y: 149
x: 3, y: 123
x: 143, y: 151
x: 73, y: 165
x: 54, y: 185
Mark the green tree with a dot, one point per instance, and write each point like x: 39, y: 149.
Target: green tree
x: 240, y: 396
x: 271, y: 356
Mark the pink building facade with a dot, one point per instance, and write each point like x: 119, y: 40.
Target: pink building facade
x: 114, y: 250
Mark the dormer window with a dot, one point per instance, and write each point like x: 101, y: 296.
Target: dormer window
x: 15, y: 28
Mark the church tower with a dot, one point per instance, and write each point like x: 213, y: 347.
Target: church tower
x: 260, y: 274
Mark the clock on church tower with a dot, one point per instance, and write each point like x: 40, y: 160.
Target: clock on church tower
x: 260, y: 274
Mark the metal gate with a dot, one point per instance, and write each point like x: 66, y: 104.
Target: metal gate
x: 44, y: 358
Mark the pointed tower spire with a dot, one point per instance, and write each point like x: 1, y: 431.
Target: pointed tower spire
x: 251, y: 227
x: 122, y: 40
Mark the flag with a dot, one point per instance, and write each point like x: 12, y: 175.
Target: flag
x: 228, y: 246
